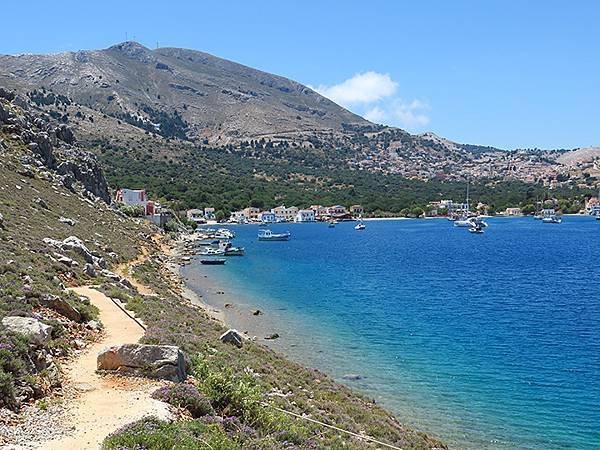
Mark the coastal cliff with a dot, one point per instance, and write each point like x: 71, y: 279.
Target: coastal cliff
x: 58, y: 231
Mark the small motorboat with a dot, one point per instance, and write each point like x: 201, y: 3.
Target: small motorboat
x: 551, y: 219
x: 212, y: 252
x: 360, y: 226
x: 213, y: 262
x: 268, y: 235
x: 476, y: 230
x: 229, y: 250
x: 331, y: 224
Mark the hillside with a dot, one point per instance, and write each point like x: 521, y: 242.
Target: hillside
x: 205, y: 131
x: 57, y: 232
x: 181, y: 93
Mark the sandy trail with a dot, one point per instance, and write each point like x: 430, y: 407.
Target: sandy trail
x: 125, y: 271
x: 105, y: 403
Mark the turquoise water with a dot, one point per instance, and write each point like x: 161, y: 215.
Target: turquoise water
x: 486, y: 341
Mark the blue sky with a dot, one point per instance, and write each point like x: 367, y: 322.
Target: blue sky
x: 503, y: 73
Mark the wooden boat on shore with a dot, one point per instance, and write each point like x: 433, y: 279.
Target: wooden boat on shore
x: 213, y: 262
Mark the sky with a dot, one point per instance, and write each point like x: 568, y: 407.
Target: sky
x: 511, y: 74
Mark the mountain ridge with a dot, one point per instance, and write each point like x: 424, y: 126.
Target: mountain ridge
x: 210, y: 102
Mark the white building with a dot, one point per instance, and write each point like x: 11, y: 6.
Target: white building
x: 238, y: 217
x: 305, y: 215
x: 283, y: 214
x: 133, y: 197
x: 267, y: 217
x: 209, y: 214
x: 197, y: 215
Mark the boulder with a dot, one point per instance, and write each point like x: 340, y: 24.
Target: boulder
x: 66, y: 220
x: 38, y: 333
x: 3, y: 114
x: 65, y: 134
x: 1, y: 221
x: 75, y: 244
x: 61, y: 306
x: 90, y: 271
x: 153, y: 361
x: 232, y: 336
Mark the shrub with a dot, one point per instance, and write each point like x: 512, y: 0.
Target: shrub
x: 186, y: 396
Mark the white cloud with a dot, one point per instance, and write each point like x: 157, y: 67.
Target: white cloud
x: 373, y: 95
x: 365, y: 87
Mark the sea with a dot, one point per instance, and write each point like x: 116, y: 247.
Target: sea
x: 486, y: 341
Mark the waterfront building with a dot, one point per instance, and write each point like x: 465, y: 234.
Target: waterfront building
x: 513, y: 212
x: 133, y: 197
x: 196, y: 215
x: 305, y: 215
x: 252, y: 214
x: 209, y: 213
x: 357, y: 210
x: 267, y: 217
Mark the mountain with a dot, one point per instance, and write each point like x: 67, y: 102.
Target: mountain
x: 189, y: 94
x: 193, y: 127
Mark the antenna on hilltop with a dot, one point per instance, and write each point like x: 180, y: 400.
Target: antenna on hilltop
x: 156, y: 45
x: 126, y: 36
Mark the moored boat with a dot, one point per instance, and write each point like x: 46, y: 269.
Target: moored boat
x: 551, y: 219
x: 213, y: 262
x: 268, y: 235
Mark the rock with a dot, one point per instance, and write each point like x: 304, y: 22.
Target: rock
x: 228, y: 305
x: 352, y: 377
x: 39, y: 201
x: 38, y: 333
x: 6, y: 94
x: 232, y: 336
x: 66, y: 260
x: 93, y: 325
x: 258, y: 312
x: 3, y: 114
x: 75, y: 244
x: 66, y: 220
x: 65, y: 134
x: 153, y: 361
x: 78, y: 344
x: 272, y: 336
x: 1, y: 221
x: 90, y: 270
x: 61, y: 306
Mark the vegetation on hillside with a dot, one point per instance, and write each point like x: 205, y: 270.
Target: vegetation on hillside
x: 187, y: 177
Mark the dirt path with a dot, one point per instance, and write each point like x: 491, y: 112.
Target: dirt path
x: 125, y: 271
x: 105, y: 403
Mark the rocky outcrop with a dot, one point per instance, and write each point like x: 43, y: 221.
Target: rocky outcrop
x: 61, y: 306
x: 37, y: 333
x: 53, y: 145
x: 76, y: 245
x: 152, y: 361
x: 232, y: 337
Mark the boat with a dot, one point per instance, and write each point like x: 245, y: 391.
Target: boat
x: 213, y: 252
x: 268, y: 235
x: 213, y: 262
x: 360, y: 225
x: 332, y: 223
x: 463, y: 222
x: 229, y: 250
x: 551, y: 219
x: 476, y: 229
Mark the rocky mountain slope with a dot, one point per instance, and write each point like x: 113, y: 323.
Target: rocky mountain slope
x: 179, y: 92
x: 136, y: 100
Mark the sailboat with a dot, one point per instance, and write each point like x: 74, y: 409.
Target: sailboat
x: 360, y: 225
x: 463, y: 221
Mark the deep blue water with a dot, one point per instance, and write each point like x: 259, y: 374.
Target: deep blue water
x: 486, y: 341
